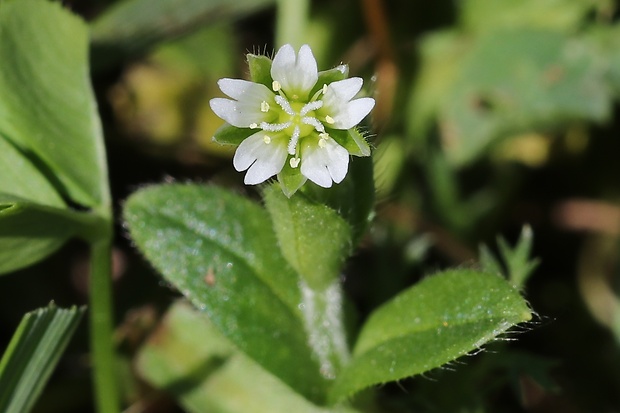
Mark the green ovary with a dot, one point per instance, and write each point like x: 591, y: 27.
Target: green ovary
x: 304, y: 130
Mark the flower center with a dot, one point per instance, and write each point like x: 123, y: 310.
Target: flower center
x: 298, y: 120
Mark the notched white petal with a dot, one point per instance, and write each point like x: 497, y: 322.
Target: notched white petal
x: 343, y: 90
x: 262, y: 157
x: 352, y: 113
x: 295, y: 74
x: 326, y: 163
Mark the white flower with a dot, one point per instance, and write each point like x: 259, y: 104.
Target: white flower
x: 293, y: 122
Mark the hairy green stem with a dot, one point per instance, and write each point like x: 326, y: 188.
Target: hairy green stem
x: 292, y: 18
x: 323, y: 320
x: 101, y: 326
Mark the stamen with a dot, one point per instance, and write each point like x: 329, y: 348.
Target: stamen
x: 311, y: 106
x: 292, y: 144
x: 264, y: 106
x: 324, y: 88
x: 276, y: 86
x: 267, y: 139
x: 274, y: 127
x: 285, y: 105
x: 322, y: 143
x: 329, y: 120
x: 253, y: 125
x: 311, y: 120
x: 294, y: 162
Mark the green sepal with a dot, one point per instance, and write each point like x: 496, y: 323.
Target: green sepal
x: 231, y: 135
x: 290, y: 179
x: 352, y: 140
x: 260, y: 69
x: 328, y: 76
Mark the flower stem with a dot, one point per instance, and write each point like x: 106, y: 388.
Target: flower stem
x: 292, y: 17
x: 102, y: 348
x: 323, y: 319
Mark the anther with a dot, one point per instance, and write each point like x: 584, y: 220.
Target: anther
x: 294, y: 162
x: 329, y: 120
x: 267, y: 139
x: 324, y: 88
x: 253, y: 125
x: 276, y: 86
x: 264, y: 106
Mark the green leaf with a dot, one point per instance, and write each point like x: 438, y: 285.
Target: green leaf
x: 219, y: 250
x: 230, y: 135
x: 313, y: 238
x: 260, y: 69
x: 132, y: 27
x: 29, y: 232
x: 21, y: 178
x: 443, y: 317
x: 518, y: 80
x: 190, y: 359
x: 32, y: 355
x: 47, y: 108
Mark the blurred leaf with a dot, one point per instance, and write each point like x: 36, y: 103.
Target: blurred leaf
x: 189, y: 359
x: 490, y: 15
x: 219, y: 250
x: 518, y: 264
x: 32, y: 355
x: 21, y: 178
x: 132, y: 27
x: 516, y: 80
x: 443, y: 317
x: 47, y: 108
x: 313, y: 238
x: 29, y: 232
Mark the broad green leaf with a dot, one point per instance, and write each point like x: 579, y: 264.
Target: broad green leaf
x: 21, y: 178
x: 215, y: 377
x: 47, y: 108
x: 29, y: 232
x: 443, y: 317
x: 313, y: 238
x: 132, y: 27
x: 219, y: 250
x: 32, y: 355
x: 519, y: 80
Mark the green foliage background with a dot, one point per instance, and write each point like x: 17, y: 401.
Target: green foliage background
x: 490, y: 114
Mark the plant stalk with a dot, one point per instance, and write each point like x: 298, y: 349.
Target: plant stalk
x: 292, y: 18
x: 101, y: 326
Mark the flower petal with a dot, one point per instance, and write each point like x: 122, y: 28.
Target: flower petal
x: 264, y: 160
x: 237, y: 113
x: 342, y: 90
x: 240, y: 89
x: 324, y: 165
x: 352, y: 113
x: 296, y: 74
